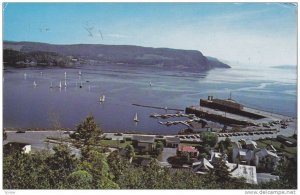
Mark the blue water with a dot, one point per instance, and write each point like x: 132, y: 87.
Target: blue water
x: 26, y: 106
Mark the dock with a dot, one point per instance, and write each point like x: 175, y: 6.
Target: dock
x: 230, y: 112
x: 157, y: 107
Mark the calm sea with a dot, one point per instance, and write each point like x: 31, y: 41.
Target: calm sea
x: 26, y: 106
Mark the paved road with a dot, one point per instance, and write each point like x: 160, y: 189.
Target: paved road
x: 35, y: 138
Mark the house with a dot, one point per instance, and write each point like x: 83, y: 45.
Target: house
x: 242, y: 156
x: 143, y: 143
x: 172, y: 142
x: 251, y: 145
x: 24, y: 148
x: 265, y: 159
x: 187, y: 151
x: 271, y: 148
x: 202, y: 166
x: 243, y: 171
x: 214, y: 156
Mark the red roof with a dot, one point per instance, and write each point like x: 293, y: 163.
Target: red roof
x: 187, y: 149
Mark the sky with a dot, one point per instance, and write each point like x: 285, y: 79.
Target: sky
x: 256, y: 34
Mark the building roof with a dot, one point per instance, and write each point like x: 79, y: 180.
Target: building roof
x: 246, y: 171
x: 250, y: 142
x: 202, y: 164
x: 271, y: 148
x: 265, y: 152
x: 172, y: 140
x: 247, y: 154
x: 183, y: 148
x: 144, y: 139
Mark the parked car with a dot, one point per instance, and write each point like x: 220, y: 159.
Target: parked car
x: 20, y: 131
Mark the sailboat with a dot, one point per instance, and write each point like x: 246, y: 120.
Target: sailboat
x: 65, y: 83
x: 65, y: 74
x: 34, y: 84
x: 25, y: 76
x: 150, y: 84
x: 59, y: 85
x: 136, y: 118
x: 51, y: 85
x: 102, y: 98
x: 79, y: 72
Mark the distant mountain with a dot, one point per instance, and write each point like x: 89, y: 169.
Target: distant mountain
x: 214, y: 62
x: 285, y: 67
x: 110, y: 54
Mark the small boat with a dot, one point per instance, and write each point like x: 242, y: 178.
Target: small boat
x: 65, y: 83
x: 59, y: 84
x: 65, y: 74
x: 80, y: 86
x: 150, y: 84
x: 102, y: 98
x: 79, y: 72
x: 34, y: 84
x: 136, y: 118
x: 25, y: 76
x: 51, y: 85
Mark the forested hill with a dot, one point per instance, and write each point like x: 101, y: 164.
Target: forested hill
x: 69, y: 55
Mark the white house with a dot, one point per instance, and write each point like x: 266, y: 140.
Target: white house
x: 243, y: 171
x: 242, y: 156
x: 265, y: 159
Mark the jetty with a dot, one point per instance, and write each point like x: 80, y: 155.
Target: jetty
x: 157, y: 107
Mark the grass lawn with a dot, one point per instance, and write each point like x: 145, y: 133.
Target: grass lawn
x: 114, y: 143
x: 290, y: 151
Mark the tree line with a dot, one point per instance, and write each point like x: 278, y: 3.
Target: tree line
x: 96, y: 169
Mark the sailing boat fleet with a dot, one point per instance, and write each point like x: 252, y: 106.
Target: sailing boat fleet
x: 101, y: 98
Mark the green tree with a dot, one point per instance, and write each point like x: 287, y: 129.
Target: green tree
x: 88, y: 133
x: 4, y: 135
x: 25, y: 171
x: 129, y: 152
x: 287, y: 171
x: 96, y: 164
x: 79, y: 180
x: 159, y: 146
x: 209, y: 138
x: 220, y: 172
x: 117, y: 164
x: 61, y: 164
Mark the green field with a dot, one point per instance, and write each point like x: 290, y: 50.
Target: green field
x: 114, y: 143
x: 290, y: 151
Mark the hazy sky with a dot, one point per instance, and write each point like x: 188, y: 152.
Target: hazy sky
x: 260, y: 34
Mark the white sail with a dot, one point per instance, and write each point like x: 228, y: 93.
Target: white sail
x: 136, y: 118
x: 150, y: 84
x: 65, y: 83
x: 102, y: 98
x: 34, y: 83
x: 60, y: 84
x: 65, y: 74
